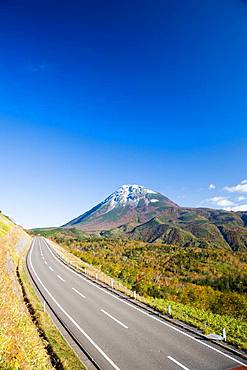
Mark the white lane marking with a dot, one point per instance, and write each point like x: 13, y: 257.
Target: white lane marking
x: 178, y: 363
x: 59, y: 277
x: 71, y: 319
x: 113, y: 318
x: 143, y: 312
x: 51, y: 268
x: 78, y: 293
x: 43, y: 257
x: 45, y: 262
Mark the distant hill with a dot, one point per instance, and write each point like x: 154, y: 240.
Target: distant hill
x: 143, y: 214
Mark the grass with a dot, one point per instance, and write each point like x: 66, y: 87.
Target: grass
x: 26, y: 341
x: 20, y: 344
x: 206, y: 321
x: 5, y: 225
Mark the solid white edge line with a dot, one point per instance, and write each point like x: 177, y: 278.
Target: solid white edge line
x: 78, y: 293
x: 60, y: 277
x: 178, y: 363
x: 113, y: 318
x: 70, y: 318
x: 143, y: 312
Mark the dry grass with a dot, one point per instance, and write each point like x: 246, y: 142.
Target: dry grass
x: 20, y: 344
x: 26, y: 340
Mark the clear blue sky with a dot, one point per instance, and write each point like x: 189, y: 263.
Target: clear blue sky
x: 95, y: 94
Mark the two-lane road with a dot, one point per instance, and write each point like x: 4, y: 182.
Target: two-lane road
x: 117, y: 334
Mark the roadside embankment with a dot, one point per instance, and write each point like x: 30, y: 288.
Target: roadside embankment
x: 28, y: 337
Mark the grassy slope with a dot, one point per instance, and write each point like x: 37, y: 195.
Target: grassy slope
x: 206, y: 286
x: 59, y: 233
x: 20, y: 344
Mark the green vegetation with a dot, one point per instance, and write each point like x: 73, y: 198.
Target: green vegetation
x: 206, y: 286
x: 59, y: 233
x: 5, y: 225
x: 195, y: 227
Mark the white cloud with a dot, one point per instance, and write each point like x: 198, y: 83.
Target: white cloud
x: 211, y: 186
x: 241, y: 198
x: 229, y: 203
x: 239, y: 188
x: 242, y: 208
x: 222, y: 201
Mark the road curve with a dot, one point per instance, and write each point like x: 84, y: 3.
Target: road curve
x: 117, y: 334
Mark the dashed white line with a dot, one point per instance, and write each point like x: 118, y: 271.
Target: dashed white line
x: 177, y: 363
x: 45, y: 262
x: 51, y: 268
x: 143, y: 312
x: 75, y: 290
x: 60, y: 277
x: 113, y: 318
x: 71, y: 319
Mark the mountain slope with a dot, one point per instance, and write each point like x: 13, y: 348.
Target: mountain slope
x: 129, y: 205
x: 143, y: 214
x: 20, y: 344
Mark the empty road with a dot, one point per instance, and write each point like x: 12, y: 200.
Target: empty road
x: 117, y: 334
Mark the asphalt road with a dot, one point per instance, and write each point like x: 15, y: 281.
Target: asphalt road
x: 117, y: 334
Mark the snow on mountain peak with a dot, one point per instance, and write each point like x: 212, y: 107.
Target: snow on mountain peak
x: 129, y: 195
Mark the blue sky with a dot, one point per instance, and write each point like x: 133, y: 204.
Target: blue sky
x: 98, y: 94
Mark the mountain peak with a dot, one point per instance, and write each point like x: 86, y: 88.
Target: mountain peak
x: 129, y: 204
x: 133, y: 187
x: 129, y: 195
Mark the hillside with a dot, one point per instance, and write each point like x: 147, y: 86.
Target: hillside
x: 195, y: 227
x: 139, y: 213
x: 20, y: 344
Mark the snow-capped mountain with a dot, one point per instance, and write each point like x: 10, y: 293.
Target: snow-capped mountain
x: 130, y: 204
x: 130, y: 195
x: 136, y: 212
